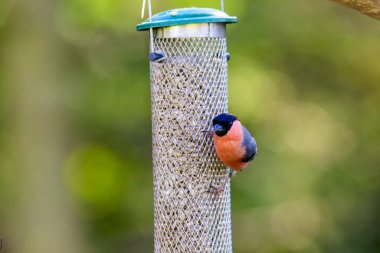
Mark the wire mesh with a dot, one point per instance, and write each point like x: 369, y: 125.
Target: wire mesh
x: 187, y: 91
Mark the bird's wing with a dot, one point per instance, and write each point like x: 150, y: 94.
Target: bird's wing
x: 249, y: 145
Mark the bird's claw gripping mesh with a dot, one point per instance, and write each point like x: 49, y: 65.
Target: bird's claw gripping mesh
x: 188, y: 90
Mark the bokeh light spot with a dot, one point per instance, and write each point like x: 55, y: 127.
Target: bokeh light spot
x: 295, y: 224
x: 94, y: 174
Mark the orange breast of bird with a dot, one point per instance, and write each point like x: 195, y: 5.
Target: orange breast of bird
x: 229, y: 149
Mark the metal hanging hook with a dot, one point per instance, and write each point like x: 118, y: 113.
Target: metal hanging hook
x: 143, y: 9
x: 150, y: 19
x: 150, y: 29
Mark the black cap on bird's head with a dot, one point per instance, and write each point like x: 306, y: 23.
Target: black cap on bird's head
x: 223, y: 123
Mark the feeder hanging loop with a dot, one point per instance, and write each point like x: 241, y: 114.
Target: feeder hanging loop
x: 150, y: 29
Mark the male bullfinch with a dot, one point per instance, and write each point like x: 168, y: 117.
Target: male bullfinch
x: 234, y: 145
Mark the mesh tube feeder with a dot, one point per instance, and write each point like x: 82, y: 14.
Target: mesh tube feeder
x: 188, y: 75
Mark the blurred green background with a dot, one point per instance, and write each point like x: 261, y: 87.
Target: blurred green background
x: 75, y: 147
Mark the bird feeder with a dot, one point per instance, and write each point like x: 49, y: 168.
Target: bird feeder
x: 188, y: 76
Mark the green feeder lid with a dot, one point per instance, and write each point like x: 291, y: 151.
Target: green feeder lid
x: 186, y: 16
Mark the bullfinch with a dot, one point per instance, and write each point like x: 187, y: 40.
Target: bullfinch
x: 234, y: 145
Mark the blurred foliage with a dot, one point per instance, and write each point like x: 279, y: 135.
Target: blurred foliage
x: 303, y: 75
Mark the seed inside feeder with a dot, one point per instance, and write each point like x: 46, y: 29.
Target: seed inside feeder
x: 188, y: 90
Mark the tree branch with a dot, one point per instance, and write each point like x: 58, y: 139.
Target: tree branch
x: 368, y: 7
